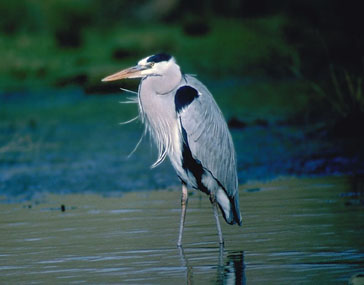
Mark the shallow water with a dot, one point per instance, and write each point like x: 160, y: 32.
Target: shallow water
x: 296, y: 231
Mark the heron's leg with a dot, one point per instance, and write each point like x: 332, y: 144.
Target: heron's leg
x: 214, y: 206
x: 184, y: 201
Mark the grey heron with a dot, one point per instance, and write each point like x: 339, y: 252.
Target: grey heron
x: 187, y: 126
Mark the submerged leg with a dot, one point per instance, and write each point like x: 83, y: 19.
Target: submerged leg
x: 214, y: 206
x: 184, y: 201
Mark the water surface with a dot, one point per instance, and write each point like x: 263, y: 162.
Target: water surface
x: 295, y: 231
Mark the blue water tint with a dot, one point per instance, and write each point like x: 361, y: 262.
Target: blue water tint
x: 62, y: 141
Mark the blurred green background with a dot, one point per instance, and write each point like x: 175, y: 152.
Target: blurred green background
x: 290, y: 71
x: 308, y: 49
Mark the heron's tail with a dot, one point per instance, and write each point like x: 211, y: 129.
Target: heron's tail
x: 229, y: 207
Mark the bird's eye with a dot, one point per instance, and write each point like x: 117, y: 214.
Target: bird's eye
x: 151, y: 64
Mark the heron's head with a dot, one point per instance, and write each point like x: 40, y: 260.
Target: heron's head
x: 155, y: 65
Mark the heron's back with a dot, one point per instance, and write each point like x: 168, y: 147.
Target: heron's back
x: 209, y: 137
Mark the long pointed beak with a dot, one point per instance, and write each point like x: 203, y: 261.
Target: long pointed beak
x: 131, y: 72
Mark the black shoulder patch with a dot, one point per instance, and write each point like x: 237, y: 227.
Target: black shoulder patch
x: 159, y: 57
x: 184, y: 97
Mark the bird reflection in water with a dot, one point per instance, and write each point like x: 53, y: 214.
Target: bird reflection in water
x: 230, y: 270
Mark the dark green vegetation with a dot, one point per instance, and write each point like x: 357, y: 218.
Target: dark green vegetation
x: 232, y: 48
x: 288, y: 77
x: 313, y: 47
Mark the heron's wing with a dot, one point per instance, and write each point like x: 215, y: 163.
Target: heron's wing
x: 208, y: 136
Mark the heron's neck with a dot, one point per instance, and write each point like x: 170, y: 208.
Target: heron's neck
x: 166, y: 83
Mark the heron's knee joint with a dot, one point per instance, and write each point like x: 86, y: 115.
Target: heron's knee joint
x: 184, y: 200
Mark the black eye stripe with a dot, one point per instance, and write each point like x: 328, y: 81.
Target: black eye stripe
x: 159, y: 57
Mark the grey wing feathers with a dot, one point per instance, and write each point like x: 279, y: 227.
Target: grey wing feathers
x: 209, y: 138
